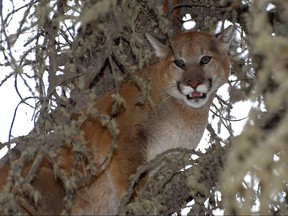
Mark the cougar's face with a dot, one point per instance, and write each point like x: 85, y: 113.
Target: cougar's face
x: 195, y: 65
x: 198, y: 67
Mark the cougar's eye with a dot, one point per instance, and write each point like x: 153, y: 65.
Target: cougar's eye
x: 179, y: 63
x: 205, y: 60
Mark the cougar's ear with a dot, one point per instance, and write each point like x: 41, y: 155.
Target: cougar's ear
x: 160, y: 49
x: 226, y: 36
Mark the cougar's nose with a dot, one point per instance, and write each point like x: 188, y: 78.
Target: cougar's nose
x: 194, y: 83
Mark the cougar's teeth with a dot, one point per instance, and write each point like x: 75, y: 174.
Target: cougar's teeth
x: 195, y: 95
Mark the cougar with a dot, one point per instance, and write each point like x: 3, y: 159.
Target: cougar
x: 182, y: 85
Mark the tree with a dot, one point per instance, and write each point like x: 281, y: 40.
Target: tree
x: 241, y: 175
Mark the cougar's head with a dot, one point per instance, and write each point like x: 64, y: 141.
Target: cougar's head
x: 194, y: 65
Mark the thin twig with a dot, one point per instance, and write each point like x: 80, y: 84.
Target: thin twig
x: 186, y: 5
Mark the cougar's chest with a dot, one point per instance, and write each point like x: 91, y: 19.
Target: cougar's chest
x: 173, y: 133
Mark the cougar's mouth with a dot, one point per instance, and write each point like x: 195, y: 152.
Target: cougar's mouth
x: 196, y: 95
